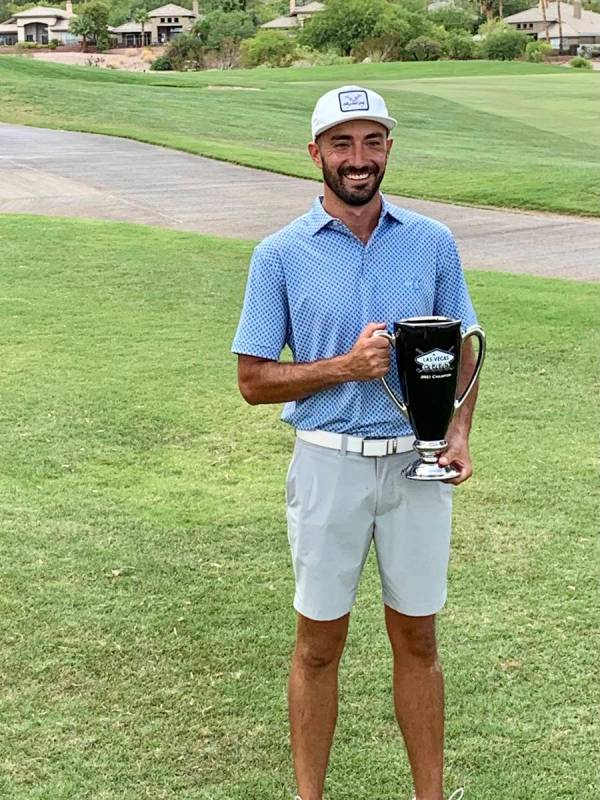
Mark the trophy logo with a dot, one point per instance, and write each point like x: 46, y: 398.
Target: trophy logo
x: 434, y: 361
x: 428, y: 351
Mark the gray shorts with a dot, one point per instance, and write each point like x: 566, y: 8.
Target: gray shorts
x: 337, y: 504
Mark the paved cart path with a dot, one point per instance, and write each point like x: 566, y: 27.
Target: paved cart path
x: 86, y: 175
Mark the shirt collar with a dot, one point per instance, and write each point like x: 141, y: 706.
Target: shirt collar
x: 318, y: 218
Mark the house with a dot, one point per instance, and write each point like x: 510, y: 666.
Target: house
x: 161, y: 25
x: 578, y: 26
x: 297, y: 17
x: 39, y: 25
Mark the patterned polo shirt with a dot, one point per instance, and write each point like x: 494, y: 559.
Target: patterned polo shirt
x: 314, y: 286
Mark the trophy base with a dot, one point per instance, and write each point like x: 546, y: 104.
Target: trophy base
x: 422, y: 471
x: 426, y: 468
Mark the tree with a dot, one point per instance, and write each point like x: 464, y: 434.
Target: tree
x: 560, y: 26
x: 543, y: 6
x: 343, y: 24
x: 454, y: 18
x: 91, y: 23
x: 141, y: 15
x: 218, y: 27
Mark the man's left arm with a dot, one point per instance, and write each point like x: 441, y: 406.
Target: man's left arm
x: 457, y: 436
x: 452, y: 300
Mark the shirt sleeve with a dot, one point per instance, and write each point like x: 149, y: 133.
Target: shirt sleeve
x: 263, y: 325
x: 451, y: 294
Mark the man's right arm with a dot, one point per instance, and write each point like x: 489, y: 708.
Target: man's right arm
x: 262, y: 380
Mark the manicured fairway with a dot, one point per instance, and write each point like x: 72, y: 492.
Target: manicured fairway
x: 146, y: 623
x: 519, y: 135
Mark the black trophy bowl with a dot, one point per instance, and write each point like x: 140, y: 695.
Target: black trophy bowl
x: 428, y: 354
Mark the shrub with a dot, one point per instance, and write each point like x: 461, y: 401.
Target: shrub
x: 53, y: 44
x: 424, y: 48
x: 460, y: 45
x: 185, y: 52
x: 537, y: 51
x: 161, y: 64
x: 503, y: 44
x: 307, y: 57
x: 268, y: 47
x: 579, y: 62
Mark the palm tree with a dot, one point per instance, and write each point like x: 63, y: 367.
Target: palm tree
x: 141, y: 15
x: 560, y: 29
x: 545, y: 18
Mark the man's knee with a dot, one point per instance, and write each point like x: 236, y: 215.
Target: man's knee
x: 412, y: 637
x: 319, y: 645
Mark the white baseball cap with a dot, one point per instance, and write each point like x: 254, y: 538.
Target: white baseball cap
x: 349, y: 102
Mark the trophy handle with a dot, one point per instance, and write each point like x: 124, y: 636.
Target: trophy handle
x: 474, y: 330
x: 399, y: 403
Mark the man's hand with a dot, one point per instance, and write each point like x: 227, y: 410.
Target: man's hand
x: 370, y: 356
x: 458, y: 456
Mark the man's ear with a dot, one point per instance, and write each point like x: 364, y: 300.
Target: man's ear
x: 315, y: 154
x: 389, y: 144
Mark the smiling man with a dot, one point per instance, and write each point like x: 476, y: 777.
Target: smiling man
x: 323, y: 285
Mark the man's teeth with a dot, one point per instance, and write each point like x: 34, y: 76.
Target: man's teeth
x: 361, y: 176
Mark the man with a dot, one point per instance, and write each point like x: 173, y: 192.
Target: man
x: 323, y: 286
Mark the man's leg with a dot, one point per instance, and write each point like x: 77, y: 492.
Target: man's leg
x: 419, y: 698
x: 313, y: 699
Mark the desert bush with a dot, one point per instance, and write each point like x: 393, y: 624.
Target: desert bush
x: 459, y: 45
x: 273, y: 48
x: 537, y: 51
x: 161, y: 64
x: 579, y: 62
x: 424, y: 48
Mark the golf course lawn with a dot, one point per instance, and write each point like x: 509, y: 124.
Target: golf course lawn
x: 146, y: 621
x: 486, y: 133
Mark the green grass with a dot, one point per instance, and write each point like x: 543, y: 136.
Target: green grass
x: 146, y: 585
x: 485, y: 133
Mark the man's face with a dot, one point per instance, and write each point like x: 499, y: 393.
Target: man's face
x: 353, y: 158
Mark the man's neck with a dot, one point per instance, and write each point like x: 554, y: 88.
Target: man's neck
x: 361, y: 220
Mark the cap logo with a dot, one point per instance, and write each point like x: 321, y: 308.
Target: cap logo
x: 354, y: 101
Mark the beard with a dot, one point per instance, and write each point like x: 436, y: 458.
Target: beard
x: 360, y: 194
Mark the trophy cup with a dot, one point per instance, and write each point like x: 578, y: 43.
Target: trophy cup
x: 428, y: 353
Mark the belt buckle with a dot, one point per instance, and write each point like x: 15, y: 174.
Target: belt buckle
x: 374, y: 447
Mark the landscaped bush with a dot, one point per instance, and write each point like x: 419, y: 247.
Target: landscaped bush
x: 273, y: 48
x: 579, y: 62
x: 424, y: 48
x: 185, y: 52
x: 161, y: 64
x: 53, y: 44
x: 460, y: 45
x: 537, y: 51
x: 503, y: 44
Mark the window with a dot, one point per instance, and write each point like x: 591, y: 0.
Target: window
x: 175, y: 19
x: 162, y: 19
x: 518, y: 26
x: 169, y: 19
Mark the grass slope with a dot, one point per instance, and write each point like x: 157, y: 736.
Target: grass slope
x: 146, y: 623
x: 517, y: 135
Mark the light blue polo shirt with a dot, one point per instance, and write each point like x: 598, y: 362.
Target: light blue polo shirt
x: 314, y: 286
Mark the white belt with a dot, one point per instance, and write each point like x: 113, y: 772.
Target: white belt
x: 354, y: 444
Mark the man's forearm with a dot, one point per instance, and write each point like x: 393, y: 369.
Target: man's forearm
x: 461, y: 422
x: 280, y: 382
